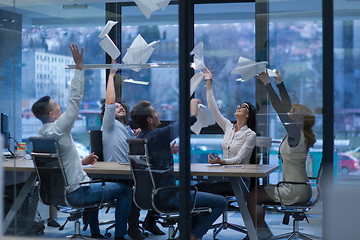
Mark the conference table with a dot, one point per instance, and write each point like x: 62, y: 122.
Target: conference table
x: 122, y: 171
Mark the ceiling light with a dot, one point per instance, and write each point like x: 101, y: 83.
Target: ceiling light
x: 136, y: 82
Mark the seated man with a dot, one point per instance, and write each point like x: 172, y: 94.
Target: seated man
x: 114, y: 115
x: 58, y: 126
x: 159, y: 139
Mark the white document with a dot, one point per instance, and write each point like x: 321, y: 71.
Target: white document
x: 194, y: 81
x: 163, y: 3
x: 107, y: 28
x: 109, y: 47
x: 272, y: 73
x: 198, y: 53
x: 139, y: 52
x: 147, y: 7
x: 204, y: 119
x: 248, y: 68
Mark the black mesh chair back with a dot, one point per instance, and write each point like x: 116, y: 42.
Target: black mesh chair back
x: 50, y: 172
x: 96, y: 145
x: 140, y: 167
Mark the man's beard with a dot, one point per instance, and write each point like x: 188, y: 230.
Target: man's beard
x: 121, y: 119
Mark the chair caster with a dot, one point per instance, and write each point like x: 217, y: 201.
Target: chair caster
x: 108, y: 234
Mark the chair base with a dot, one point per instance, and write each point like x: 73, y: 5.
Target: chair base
x: 78, y: 236
x: 225, y: 225
x: 296, y: 235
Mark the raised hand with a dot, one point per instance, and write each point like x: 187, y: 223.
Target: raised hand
x: 278, y: 79
x: 264, y: 77
x: 174, y: 148
x: 77, y: 56
x: 113, y: 70
x: 208, y: 74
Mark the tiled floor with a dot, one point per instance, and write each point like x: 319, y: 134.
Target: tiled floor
x: 273, y: 219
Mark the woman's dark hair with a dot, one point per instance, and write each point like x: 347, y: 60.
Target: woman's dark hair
x: 251, y: 122
x: 123, y: 104
x: 41, y: 109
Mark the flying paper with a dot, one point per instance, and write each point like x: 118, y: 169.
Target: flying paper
x: 198, y: 53
x: 139, y: 52
x: 109, y: 47
x: 107, y: 44
x: 107, y: 28
x: 204, y: 119
x: 194, y: 81
x: 248, y: 68
x: 147, y: 7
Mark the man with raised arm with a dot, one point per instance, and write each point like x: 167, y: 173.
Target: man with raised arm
x: 58, y: 125
x: 114, y: 116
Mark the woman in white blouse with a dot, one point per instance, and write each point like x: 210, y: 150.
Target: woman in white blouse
x: 239, y: 138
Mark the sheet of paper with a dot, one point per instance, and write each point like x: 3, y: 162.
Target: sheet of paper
x: 204, y: 119
x: 109, y: 47
x: 147, y: 7
x: 272, y: 73
x: 139, y: 52
x: 163, y: 3
x: 107, y: 28
x: 198, y: 53
x: 194, y: 81
x: 248, y: 68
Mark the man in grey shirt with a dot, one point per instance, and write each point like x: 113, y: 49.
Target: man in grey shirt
x: 114, y: 115
x: 58, y: 125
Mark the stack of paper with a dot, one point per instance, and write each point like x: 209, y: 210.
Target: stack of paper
x: 147, y: 7
x: 139, y: 52
x: 248, y: 68
x: 107, y: 44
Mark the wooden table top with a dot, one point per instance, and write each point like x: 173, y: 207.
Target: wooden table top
x: 197, y: 169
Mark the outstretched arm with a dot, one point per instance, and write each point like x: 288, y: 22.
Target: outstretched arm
x: 67, y: 119
x: 282, y: 107
x: 110, y: 88
x: 219, y: 118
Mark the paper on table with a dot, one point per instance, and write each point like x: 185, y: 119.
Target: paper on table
x: 194, y: 81
x: 198, y: 53
x: 109, y: 47
x: 107, y: 28
x: 139, y: 52
x: 204, y: 119
x: 248, y: 68
x: 147, y: 7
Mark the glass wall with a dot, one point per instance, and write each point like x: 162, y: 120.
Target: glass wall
x: 34, y: 40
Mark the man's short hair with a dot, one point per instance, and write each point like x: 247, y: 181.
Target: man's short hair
x: 41, y: 109
x: 122, y: 103
x: 140, y: 113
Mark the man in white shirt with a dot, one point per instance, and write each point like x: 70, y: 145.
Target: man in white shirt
x: 58, y: 125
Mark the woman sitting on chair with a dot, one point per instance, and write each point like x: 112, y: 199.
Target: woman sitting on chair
x: 239, y: 138
x: 298, y: 121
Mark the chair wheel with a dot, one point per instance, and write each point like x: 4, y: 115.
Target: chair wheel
x: 108, y: 234
x: 146, y: 234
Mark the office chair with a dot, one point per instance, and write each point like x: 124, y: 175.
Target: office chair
x: 53, y: 181
x: 298, y: 211
x: 96, y: 145
x: 145, y: 193
x: 259, y: 154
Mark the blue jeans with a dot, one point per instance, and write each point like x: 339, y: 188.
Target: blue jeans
x: 202, y: 222
x: 93, y: 194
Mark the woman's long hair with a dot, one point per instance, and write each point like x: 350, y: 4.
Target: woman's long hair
x: 307, y: 117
